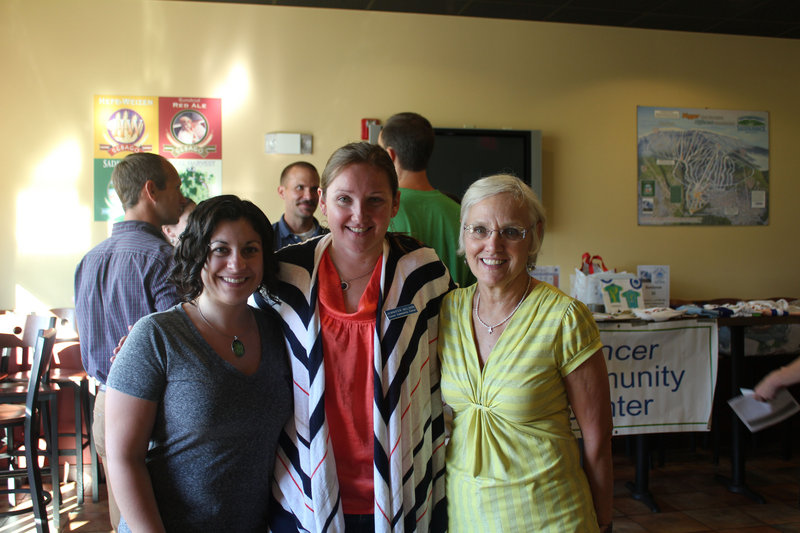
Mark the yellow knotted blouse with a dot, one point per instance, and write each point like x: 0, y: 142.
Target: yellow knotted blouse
x: 513, y: 463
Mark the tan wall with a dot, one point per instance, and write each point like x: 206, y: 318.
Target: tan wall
x: 320, y: 71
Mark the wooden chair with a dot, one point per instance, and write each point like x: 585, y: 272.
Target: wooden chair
x: 29, y: 415
x: 66, y: 327
x: 19, y: 360
x: 8, y: 344
x: 66, y: 371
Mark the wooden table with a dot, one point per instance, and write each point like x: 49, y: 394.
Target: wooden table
x: 737, y: 483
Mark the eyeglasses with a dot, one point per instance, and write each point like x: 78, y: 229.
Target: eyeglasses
x: 509, y: 233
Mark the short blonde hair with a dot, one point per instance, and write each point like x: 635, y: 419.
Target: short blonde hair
x: 490, y: 186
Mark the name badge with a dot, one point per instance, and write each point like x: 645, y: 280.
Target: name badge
x: 399, y: 312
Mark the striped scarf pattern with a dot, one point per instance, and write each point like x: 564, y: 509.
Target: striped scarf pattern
x: 408, y: 465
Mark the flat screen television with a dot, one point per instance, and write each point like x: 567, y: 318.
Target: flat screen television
x: 462, y: 155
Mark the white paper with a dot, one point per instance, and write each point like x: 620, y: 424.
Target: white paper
x: 758, y: 415
x: 655, y: 284
x: 758, y: 199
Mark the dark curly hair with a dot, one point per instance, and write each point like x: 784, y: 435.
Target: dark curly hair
x: 192, y: 250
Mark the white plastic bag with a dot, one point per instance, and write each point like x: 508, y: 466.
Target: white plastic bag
x: 587, y: 287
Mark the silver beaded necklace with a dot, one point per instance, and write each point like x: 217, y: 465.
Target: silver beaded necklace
x: 491, y: 328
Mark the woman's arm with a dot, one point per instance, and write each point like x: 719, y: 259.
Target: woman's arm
x: 589, y: 395
x: 778, y: 379
x: 129, y: 424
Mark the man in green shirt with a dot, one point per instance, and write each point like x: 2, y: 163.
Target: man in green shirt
x: 425, y: 213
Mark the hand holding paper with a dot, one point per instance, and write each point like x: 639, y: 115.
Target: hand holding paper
x: 758, y: 415
x: 777, y: 379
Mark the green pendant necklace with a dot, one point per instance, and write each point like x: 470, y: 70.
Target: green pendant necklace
x: 237, y: 346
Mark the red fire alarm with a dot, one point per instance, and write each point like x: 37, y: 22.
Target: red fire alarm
x: 365, y: 124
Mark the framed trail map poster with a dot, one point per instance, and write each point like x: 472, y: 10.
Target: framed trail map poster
x: 702, y: 167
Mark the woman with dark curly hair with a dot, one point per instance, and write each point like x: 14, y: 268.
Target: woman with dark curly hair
x: 198, y: 394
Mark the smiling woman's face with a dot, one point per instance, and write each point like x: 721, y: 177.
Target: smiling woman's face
x: 359, y: 206
x: 494, y: 260
x: 235, y: 264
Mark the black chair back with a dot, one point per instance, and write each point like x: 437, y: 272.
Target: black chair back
x: 42, y: 354
x: 34, y: 324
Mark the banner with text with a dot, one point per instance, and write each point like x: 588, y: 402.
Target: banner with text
x: 662, y: 375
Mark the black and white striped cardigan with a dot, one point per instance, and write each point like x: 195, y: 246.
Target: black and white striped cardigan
x: 407, y: 411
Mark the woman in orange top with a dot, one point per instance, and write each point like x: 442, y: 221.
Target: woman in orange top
x: 364, y: 450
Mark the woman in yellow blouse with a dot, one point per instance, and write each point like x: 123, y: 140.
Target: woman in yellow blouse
x: 516, y: 353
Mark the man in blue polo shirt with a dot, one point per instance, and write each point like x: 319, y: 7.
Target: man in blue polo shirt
x: 127, y: 275
x: 299, y: 188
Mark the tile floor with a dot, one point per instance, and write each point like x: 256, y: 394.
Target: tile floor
x: 691, y: 499
x: 685, y: 488
x: 89, y: 517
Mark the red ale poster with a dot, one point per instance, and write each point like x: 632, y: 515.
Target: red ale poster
x: 190, y: 128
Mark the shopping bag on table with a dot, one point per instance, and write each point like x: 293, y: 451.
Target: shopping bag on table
x: 592, y: 264
x: 586, y: 285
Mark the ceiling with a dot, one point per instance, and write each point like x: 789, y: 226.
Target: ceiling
x: 764, y: 18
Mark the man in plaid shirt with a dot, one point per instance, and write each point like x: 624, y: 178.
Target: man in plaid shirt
x: 126, y: 276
